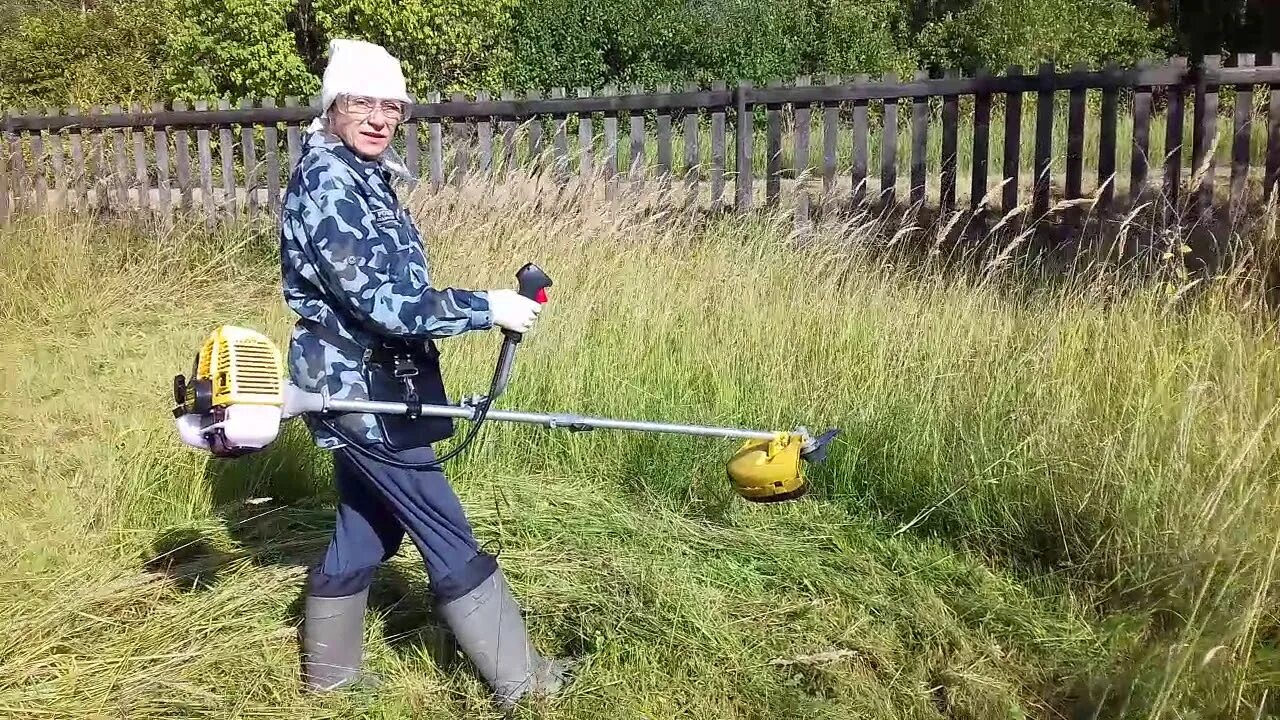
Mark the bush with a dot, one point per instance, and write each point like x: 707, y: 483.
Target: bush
x: 997, y: 33
x: 235, y: 48
x: 444, y: 45
x: 624, y: 42
x: 60, y: 55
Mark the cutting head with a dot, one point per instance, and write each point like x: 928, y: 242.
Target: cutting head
x: 765, y: 471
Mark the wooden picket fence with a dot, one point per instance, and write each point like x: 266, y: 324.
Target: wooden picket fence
x: 140, y: 159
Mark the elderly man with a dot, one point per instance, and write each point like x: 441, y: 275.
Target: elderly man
x: 355, y: 272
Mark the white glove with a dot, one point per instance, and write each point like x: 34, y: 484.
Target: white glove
x: 513, y: 311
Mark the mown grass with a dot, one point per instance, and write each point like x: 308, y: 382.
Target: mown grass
x: 1048, y: 501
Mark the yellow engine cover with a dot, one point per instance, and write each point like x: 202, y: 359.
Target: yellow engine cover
x: 769, y: 470
x: 243, y: 366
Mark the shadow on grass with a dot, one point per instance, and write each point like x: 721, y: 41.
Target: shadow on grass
x: 278, y: 508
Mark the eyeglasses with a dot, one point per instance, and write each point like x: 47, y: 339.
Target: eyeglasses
x: 361, y: 106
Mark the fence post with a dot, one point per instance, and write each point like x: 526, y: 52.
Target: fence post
x: 950, y: 146
x: 919, y: 144
x: 1173, y: 138
x: 4, y: 180
x: 745, y: 128
x: 1044, y: 139
x: 1141, y: 148
x: 1012, y: 144
x: 981, y: 141
x: 1273, y: 136
x: 1240, y: 146
x: 1206, y: 127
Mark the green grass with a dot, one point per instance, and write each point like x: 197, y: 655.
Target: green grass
x: 1046, y: 503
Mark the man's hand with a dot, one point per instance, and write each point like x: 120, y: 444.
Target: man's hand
x: 513, y: 311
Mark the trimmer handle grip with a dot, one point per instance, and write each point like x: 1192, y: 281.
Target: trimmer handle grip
x: 533, y: 282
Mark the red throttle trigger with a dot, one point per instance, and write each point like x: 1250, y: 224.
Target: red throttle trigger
x: 533, y: 283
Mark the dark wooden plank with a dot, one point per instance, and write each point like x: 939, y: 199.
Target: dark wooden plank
x: 800, y: 163
x: 139, y: 164
x: 249, y: 153
x: 610, y: 149
x: 1012, y: 144
x: 435, y: 147
x: 1075, y: 139
x: 461, y: 131
x: 182, y: 151
x: 40, y: 170
x: 1140, y: 163
x: 745, y: 131
x: 164, y: 190
x: 950, y: 148
x: 664, y: 141
x: 57, y: 163
x: 534, y: 124
x: 861, y: 166
x: 6, y: 214
x: 119, y: 156
x: 830, y: 140
x: 692, y: 146
x: 1044, y: 141
x: 508, y: 128
x: 412, y: 149
x: 75, y: 139
x: 206, y: 167
x: 18, y: 170
x: 1273, y: 136
x: 484, y: 137
x: 560, y: 119
x: 226, y: 152
x: 1241, y: 140
x: 636, y: 159
x: 1206, y: 116
x: 293, y: 140
x: 773, y: 151
x: 1175, y: 120
x: 889, y: 148
x: 981, y: 145
x: 586, y: 140
x: 919, y: 144
x: 271, y: 142
x: 99, y: 160
x: 717, y: 152
x: 1107, y: 146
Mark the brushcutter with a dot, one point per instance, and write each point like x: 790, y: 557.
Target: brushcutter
x: 237, y: 398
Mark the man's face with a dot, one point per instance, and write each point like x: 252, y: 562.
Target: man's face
x: 366, y: 124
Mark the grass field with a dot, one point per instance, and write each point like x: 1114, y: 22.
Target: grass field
x: 1055, y: 502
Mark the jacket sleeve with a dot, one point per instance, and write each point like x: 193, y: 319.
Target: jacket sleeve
x: 351, y: 263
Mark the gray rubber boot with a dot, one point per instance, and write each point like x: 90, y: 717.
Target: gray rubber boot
x: 333, y: 642
x: 489, y: 628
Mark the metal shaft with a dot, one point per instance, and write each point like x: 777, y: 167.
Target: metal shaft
x: 550, y: 420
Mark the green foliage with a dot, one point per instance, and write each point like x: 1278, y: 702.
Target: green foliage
x: 624, y: 42
x: 59, y: 55
x: 189, y: 49
x: 443, y: 44
x: 997, y: 33
x: 235, y: 48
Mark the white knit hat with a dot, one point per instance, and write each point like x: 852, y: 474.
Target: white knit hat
x: 357, y: 67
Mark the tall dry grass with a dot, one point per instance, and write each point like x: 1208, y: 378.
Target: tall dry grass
x: 1051, y: 498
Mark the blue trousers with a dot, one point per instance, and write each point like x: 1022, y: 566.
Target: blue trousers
x: 378, y: 504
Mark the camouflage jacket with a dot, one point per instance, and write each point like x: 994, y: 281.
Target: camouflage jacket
x: 354, y: 270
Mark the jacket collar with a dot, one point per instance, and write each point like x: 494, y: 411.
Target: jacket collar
x: 367, y: 169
